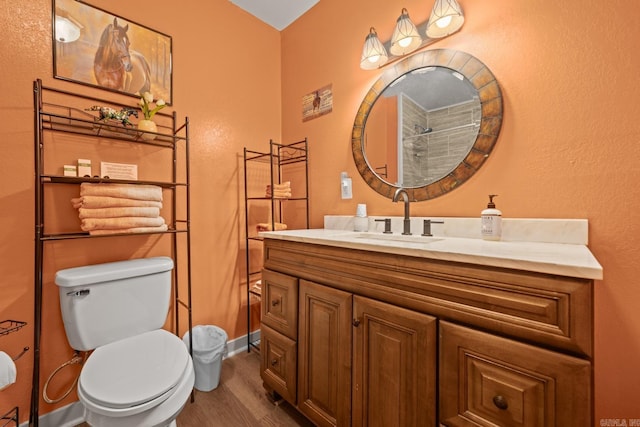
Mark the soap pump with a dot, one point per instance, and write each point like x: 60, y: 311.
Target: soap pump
x: 491, y: 221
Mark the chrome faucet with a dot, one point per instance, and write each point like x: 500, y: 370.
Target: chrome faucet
x: 407, y: 218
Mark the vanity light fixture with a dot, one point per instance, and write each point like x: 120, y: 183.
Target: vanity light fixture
x: 405, y: 37
x: 374, y: 54
x: 446, y: 18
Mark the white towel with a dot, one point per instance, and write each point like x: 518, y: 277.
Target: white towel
x: 129, y: 191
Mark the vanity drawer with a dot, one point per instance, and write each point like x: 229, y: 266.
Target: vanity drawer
x: 280, y: 302
x: 486, y: 380
x: 278, y: 364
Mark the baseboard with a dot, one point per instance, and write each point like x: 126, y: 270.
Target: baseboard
x: 67, y: 416
x: 238, y: 345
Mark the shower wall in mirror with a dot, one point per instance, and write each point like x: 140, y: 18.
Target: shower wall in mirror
x: 434, y: 142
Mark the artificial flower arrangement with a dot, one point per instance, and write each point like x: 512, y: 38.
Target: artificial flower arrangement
x: 147, y: 107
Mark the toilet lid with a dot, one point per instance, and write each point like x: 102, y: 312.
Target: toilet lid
x: 134, y: 370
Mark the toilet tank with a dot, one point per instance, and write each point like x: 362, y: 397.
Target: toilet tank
x: 103, y: 303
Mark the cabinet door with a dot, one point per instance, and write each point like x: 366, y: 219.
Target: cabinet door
x: 280, y: 302
x: 394, y: 366
x: 487, y: 380
x: 324, y: 355
x: 278, y: 363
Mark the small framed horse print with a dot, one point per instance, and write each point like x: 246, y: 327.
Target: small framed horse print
x: 94, y: 47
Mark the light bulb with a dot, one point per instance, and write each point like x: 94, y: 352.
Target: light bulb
x: 405, y: 42
x: 444, y: 22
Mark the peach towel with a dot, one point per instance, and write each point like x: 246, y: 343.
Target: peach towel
x: 88, y: 224
x: 266, y: 226
x: 118, y: 212
x: 279, y: 191
x: 129, y: 191
x: 133, y: 230
x: 96, y: 202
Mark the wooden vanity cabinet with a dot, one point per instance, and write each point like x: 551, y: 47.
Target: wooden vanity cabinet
x: 394, y: 341
x: 360, y: 362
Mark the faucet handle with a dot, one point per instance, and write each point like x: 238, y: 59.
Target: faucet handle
x: 387, y: 225
x: 426, y: 227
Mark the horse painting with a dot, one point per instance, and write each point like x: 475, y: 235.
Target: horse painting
x: 116, y: 66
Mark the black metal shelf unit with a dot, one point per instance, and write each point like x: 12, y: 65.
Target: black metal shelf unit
x: 279, y: 158
x: 61, y: 112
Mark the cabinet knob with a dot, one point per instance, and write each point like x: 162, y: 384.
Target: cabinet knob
x: 274, y: 362
x: 356, y: 322
x: 500, y: 402
x: 275, y: 302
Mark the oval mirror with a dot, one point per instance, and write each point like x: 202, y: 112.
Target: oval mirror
x: 427, y: 124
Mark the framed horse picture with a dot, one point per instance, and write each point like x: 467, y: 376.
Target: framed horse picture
x: 97, y: 48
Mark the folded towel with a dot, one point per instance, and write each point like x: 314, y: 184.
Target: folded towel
x: 118, y: 212
x: 278, y: 193
x: 88, y: 224
x: 95, y: 202
x: 266, y: 226
x: 129, y: 230
x: 284, y: 186
x: 129, y: 191
x: 280, y: 196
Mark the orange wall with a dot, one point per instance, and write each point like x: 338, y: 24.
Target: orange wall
x: 226, y: 79
x: 569, y: 145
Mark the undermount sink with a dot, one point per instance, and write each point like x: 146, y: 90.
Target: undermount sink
x: 411, y: 238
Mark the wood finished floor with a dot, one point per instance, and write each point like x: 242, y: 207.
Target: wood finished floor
x: 240, y: 400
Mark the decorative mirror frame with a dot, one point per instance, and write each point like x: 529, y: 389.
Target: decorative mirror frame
x: 491, y: 106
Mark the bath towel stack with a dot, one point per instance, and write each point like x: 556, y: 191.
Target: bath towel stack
x: 280, y: 191
x: 119, y: 208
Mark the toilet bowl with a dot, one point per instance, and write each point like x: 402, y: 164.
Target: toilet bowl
x: 143, y: 380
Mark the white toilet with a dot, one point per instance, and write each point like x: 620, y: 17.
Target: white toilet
x: 139, y: 373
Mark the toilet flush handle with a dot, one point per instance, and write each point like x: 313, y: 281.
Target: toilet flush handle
x: 80, y: 293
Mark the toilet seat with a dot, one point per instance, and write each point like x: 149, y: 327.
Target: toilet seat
x: 132, y: 375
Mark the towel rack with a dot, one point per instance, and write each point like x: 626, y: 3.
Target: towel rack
x: 8, y: 326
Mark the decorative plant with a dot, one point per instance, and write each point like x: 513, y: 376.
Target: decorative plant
x: 147, y: 107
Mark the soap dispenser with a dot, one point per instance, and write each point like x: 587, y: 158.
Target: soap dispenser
x: 491, y: 221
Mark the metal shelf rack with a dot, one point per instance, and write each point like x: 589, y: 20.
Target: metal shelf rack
x: 61, y: 112
x: 279, y: 158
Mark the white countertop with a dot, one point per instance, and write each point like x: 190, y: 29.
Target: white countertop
x: 573, y: 260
